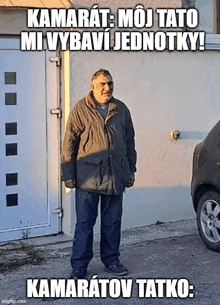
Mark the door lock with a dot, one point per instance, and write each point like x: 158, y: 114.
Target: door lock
x: 58, y: 211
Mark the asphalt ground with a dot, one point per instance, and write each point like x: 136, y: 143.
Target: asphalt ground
x: 168, y: 264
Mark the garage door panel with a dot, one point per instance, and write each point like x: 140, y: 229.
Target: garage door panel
x: 24, y: 144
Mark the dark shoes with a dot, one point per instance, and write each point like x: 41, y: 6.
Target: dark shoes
x: 118, y: 269
x: 78, y: 274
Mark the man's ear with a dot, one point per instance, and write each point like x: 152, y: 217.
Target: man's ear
x: 92, y: 86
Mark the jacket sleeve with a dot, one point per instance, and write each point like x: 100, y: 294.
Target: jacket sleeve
x: 70, y: 146
x: 131, y: 152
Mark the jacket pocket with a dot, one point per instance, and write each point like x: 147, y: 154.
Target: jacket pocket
x: 89, y: 174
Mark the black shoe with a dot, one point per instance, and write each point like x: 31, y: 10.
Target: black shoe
x: 78, y: 274
x: 118, y: 269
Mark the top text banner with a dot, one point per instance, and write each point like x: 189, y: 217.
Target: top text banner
x: 90, y: 29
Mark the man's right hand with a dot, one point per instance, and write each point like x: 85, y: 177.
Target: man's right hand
x: 70, y: 184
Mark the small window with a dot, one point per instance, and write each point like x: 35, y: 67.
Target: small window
x: 11, y: 179
x: 11, y: 200
x: 10, y: 98
x: 11, y: 149
x: 10, y: 78
x: 209, y: 14
x: 10, y: 128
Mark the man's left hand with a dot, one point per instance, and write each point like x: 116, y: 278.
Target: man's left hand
x: 131, y: 182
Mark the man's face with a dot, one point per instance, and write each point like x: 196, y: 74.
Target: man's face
x: 102, y: 88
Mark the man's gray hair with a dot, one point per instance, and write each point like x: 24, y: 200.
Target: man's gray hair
x: 100, y: 72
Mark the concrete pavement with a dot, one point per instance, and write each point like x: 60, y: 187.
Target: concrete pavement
x: 159, y: 257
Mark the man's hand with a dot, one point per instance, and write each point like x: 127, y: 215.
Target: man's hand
x: 70, y: 184
x: 131, y: 182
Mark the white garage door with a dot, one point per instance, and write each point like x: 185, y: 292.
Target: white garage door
x: 29, y: 176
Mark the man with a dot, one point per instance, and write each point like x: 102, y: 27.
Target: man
x: 98, y: 158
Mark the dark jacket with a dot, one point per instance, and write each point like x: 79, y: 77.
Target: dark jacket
x: 99, y: 153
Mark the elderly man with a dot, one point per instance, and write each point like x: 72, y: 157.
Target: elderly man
x: 98, y: 158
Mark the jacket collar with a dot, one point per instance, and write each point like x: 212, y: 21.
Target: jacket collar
x: 112, y: 108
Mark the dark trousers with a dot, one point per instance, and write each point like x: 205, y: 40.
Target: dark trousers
x: 86, y: 212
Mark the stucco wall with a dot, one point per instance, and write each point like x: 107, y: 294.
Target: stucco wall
x: 13, y: 20
x: 115, y: 4
x: 164, y: 91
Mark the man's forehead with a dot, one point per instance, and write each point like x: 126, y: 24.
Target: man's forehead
x: 103, y: 78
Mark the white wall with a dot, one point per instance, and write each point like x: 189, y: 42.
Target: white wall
x: 164, y: 91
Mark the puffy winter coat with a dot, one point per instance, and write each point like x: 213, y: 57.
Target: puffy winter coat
x: 99, y: 153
